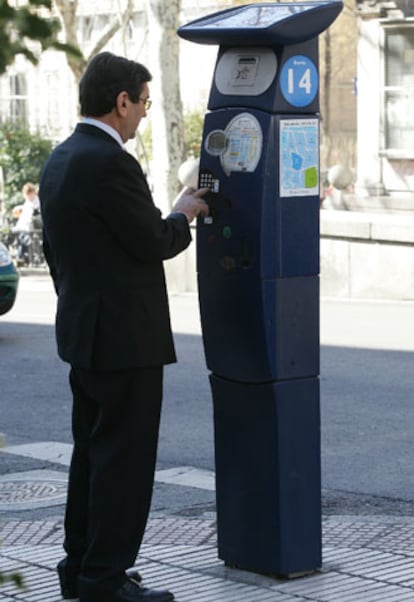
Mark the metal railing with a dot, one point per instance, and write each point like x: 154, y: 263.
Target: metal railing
x: 25, y: 247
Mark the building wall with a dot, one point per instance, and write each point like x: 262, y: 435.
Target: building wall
x: 367, y: 255
x: 369, y: 178
x: 338, y: 68
x: 385, y: 158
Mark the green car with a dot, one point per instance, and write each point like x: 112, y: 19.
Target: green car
x: 9, y: 280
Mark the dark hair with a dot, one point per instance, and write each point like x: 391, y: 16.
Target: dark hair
x: 105, y: 77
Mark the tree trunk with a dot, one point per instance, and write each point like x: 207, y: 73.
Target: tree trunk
x: 166, y: 112
x: 326, y: 108
x: 67, y: 10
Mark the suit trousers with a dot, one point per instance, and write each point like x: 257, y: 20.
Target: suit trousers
x: 115, y: 424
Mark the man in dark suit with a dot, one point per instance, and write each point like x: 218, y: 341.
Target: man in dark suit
x: 105, y: 242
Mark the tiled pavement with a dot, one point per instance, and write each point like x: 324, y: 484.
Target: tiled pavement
x: 366, y: 559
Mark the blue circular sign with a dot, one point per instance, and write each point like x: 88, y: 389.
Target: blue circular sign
x: 299, y: 81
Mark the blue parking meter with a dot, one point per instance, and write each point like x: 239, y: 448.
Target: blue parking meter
x: 258, y: 280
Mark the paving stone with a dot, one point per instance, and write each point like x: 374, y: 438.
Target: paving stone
x: 364, y: 561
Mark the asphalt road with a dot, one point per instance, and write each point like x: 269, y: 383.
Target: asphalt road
x: 367, y: 401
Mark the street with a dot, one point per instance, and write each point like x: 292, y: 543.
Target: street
x: 366, y: 404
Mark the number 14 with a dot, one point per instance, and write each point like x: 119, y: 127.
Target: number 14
x: 305, y: 81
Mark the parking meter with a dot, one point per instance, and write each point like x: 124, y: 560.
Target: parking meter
x: 258, y: 279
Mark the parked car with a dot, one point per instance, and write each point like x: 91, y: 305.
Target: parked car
x: 9, y: 280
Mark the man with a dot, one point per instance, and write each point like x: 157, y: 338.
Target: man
x: 105, y: 241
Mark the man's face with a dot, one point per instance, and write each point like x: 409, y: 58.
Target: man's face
x: 136, y: 111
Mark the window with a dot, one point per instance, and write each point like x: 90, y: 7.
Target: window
x: 399, y: 89
x: 15, y: 101
x: 90, y: 28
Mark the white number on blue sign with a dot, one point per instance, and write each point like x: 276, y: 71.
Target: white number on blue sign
x: 299, y: 81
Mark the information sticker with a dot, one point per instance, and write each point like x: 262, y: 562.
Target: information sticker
x: 244, y: 144
x: 299, y: 157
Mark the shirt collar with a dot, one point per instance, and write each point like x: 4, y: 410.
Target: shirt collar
x: 106, y: 128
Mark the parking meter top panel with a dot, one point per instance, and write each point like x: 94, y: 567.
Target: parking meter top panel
x: 268, y: 56
x: 263, y: 24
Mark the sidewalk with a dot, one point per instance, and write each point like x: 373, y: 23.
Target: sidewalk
x: 366, y: 559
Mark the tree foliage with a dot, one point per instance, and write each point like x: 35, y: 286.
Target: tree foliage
x: 22, y: 155
x: 22, y: 25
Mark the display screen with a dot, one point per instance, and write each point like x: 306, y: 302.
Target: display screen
x: 251, y: 17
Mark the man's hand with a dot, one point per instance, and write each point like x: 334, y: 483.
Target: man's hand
x: 190, y: 202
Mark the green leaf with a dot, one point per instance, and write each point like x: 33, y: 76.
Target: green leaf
x: 46, y: 3
x: 15, y: 578
x: 32, y: 26
x: 68, y: 49
x: 6, y: 11
x: 17, y: 25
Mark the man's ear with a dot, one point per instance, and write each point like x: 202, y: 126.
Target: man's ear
x: 121, y: 103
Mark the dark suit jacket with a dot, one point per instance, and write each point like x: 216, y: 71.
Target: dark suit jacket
x: 105, y: 242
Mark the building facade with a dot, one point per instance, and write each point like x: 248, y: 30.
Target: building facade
x: 385, y: 109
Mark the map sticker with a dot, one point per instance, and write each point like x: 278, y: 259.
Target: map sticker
x: 299, y: 157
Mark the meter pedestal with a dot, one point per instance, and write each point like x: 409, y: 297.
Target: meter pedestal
x: 258, y: 280
x: 268, y: 475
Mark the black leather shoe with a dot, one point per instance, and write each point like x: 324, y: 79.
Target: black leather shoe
x: 68, y: 579
x: 132, y: 591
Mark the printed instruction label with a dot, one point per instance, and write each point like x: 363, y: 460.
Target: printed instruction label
x: 299, y: 157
